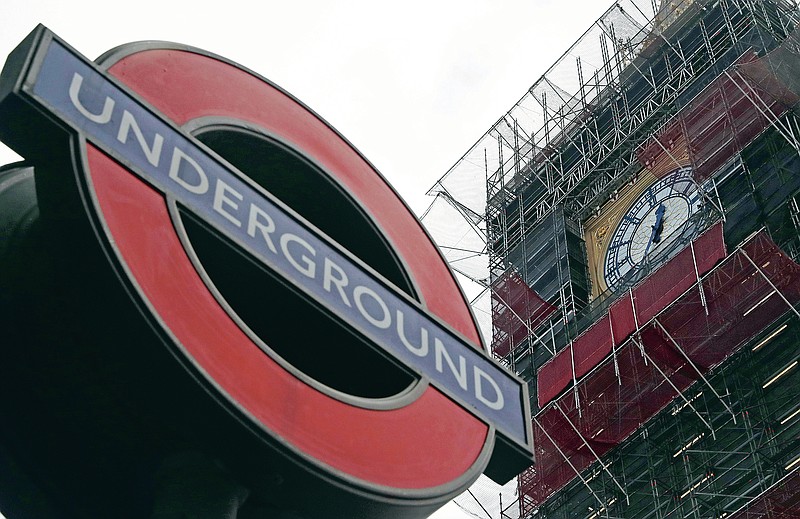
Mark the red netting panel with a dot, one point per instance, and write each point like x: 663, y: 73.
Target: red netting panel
x: 651, y: 296
x: 709, y: 248
x: 592, y: 346
x: 516, y: 307
x: 739, y: 302
x: 664, y: 285
x: 551, y: 471
x: 588, y: 350
x: 623, y: 318
x: 779, y: 502
x: 610, y: 412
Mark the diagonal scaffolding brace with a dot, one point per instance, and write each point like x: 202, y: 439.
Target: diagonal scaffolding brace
x: 574, y: 379
x: 596, y: 457
x: 566, y: 458
x: 694, y: 366
x: 699, y: 281
x: 680, y: 393
x: 771, y: 284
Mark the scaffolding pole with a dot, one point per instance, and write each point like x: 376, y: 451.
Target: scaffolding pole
x: 574, y: 379
x: 488, y: 515
x: 636, y: 322
x: 697, y: 276
x: 614, y: 349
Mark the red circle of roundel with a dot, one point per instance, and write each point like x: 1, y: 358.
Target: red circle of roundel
x: 432, y: 441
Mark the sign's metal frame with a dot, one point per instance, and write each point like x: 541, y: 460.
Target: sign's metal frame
x: 45, y: 82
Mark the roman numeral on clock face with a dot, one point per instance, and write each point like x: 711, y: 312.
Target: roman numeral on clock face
x: 650, y: 197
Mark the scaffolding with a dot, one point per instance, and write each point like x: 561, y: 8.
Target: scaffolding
x: 674, y: 393
x: 657, y: 364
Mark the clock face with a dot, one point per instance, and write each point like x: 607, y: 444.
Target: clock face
x: 655, y: 220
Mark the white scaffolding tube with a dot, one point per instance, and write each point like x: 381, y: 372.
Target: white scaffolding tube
x: 466, y: 213
x: 574, y: 379
x: 614, y: 348
x: 636, y: 322
x: 697, y: 276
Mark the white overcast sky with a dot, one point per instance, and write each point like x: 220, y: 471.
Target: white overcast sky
x: 411, y: 84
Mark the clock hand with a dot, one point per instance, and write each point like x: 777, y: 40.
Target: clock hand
x: 657, y: 227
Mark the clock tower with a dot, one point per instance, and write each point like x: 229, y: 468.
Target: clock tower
x: 639, y: 222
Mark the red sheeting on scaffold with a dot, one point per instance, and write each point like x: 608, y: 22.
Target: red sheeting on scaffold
x: 740, y: 303
x: 650, y: 297
x: 720, y: 121
x: 779, y: 502
x: 515, y: 308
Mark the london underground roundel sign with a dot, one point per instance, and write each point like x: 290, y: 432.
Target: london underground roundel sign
x: 148, y: 127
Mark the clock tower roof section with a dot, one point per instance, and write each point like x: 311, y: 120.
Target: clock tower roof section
x: 665, y: 21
